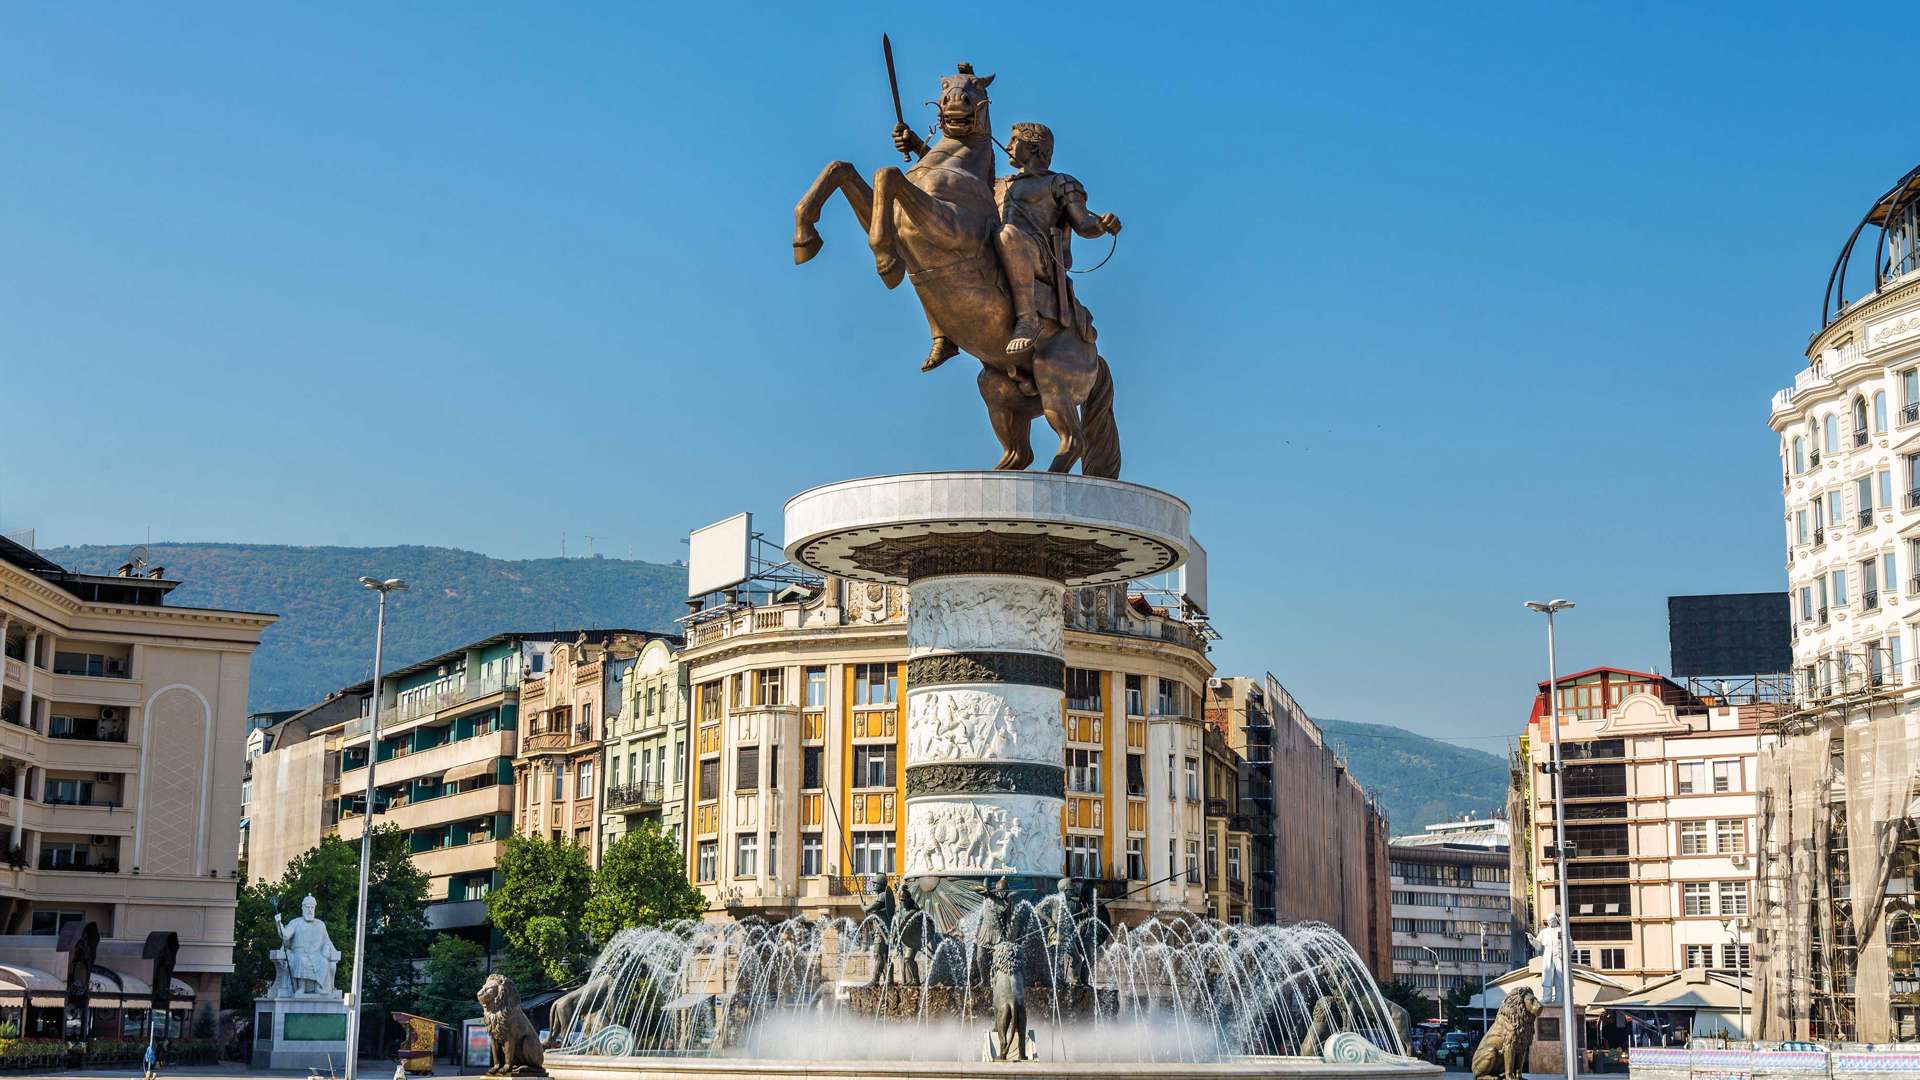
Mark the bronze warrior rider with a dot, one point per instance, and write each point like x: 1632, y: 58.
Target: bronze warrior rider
x: 1037, y: 208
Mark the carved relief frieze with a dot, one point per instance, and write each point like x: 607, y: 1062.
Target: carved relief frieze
x: 968, y: 613
x: 1006, y: 834
x: 1030, y: 669
x: 1008, y: 723
x: 986, y: 778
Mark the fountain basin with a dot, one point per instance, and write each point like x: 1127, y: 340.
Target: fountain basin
x: 586, y: 1067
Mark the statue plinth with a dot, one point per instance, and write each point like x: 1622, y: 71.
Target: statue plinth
x: 989, y: 558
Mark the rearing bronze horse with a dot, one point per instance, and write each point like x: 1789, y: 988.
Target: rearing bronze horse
x: 934, y: 223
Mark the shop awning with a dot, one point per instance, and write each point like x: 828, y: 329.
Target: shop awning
x: 109, y: 988
x: 1688, y: 990
x: 468, y: 771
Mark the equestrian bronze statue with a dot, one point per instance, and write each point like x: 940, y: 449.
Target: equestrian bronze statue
x: 988, y: 258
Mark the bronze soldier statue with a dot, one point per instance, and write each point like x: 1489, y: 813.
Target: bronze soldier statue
x: 1038, y: 207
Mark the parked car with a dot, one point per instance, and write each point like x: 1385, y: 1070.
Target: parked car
x: 1456, y: 1050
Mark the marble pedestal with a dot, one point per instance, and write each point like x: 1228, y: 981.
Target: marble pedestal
x: 988, y: 558
x: 300, y: 1031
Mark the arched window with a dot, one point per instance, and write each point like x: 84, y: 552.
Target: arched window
x: 1799, y: 454
x: 1859, y: 421
x: 1833, y: 434
x: 1880, y: 411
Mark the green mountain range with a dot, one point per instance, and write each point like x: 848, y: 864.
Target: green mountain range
x: 1421, y: 781
x: 324, y: 639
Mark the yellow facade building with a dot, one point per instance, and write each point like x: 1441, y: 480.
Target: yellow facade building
x: 797, y: 778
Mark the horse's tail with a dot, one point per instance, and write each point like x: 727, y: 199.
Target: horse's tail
x: 1102, y: 456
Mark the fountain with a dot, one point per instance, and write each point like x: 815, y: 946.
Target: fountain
x: 983, y: 962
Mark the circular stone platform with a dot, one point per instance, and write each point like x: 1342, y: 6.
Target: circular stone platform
x: 1076, y: 530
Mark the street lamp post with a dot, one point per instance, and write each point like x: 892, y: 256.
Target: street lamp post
x: 390, y: 585
x: 1483, y: 979
x: 1439, y: 992
x: 1568, y: 1044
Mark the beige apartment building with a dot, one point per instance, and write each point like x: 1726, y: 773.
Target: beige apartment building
x: 1662, y: 804
x: 560, y: 754
x: 124, y: 720
x: 798, y: 785
x: 646, y: 745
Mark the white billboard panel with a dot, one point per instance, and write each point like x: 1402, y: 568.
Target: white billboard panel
x: 1193, y: 578
x: 717, y: 555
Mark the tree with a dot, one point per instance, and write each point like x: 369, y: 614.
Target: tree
x: 397, y: 930
x: 455, y: 970
x: 1459, y: 1013
x: 642, y: 881
x: 1402, y: 992
x: 538, y: 908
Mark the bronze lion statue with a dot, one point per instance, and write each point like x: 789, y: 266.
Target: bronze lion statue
x: 1502, y: 1054
x: 516, y: 1046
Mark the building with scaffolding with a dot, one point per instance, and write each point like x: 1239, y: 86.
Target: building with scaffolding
x: 1838, y: 944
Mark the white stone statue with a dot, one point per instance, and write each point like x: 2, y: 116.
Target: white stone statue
x: 1551, y: 941
x: 307, y: 959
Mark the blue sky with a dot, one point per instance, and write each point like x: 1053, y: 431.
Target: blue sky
x: 1426, y: 311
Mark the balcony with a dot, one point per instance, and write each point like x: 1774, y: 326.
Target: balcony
x: 1860, y: 437
x: 1819, y: 536
x: 1865, y: 519
x: 548, y: 742
x: 1910, y: 412
x: 1869, y: 601
x: 1823, y: 616
x: 1813, y: 458
x: 636, y: 798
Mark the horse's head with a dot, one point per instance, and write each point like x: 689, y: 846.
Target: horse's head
x: 963, y: 104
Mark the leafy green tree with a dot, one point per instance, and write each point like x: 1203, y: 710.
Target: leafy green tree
x: 397, y: 930
x: 455, y: 970
x: 1459, y: 1014
x: 539, y: 908
x: 642, y: 881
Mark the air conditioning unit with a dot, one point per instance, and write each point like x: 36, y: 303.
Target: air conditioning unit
x: 108, y: 712
x: 106, y: 776
x: 100, y: 839
x: 1740, y: 862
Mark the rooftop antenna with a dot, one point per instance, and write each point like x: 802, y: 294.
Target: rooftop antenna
x: 563, y: 543
x: 589, y: 545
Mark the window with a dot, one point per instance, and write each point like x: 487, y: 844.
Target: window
x: 1736, y: 957
x: 1819, y: 507
x: 583, y: 788
x: 582, y: 837
x: 1831, y: 430
x: 1910, y: 395
x: 1193, y: 780
x: 1233, y: 864
x: 812, y: 850
x: 1886, y: 489
x: 773, y: 853
x: 559, y: 783
x: 1732, y: 836
x: 1800, y: 526
x: 1836, y: 508
x: 1699, y: 956
x: 1880, y: 410
x: 1696, y: 898
x: 709, y: 702
x: 50, y: 922
x: 746, y: 769
x: 653, y: 700
x: 873, y: 684
x: 706, y: 863
x: 1136, y: 695
x: 1193, y: 862
x: 1893, y: 655
x: 873, y: 767
x: 1583, y: 957
x: 1083, y: 690
x: 746, y: 854
x: 1859, y: 421
x: 773, y: 767
x: 1806, y: 603
x: 1136, y: 859
x: 1136, y: 774
x: 816, y: 688
x: 1083, y: 856
x: 1723, y: 775
x: 1169, y: 698
x: 737, y: 689
x: 1863, y: 499
x: 1889, y: 573
x: 1799, y: 454
x: 1733, y: 898
x: 1687, y: 775
x: 709, y: 779
x: 1213, y: 858
x: 811, y: 760
x: 873, y: 852
x: 1693, y: 838
x: 1613, y: 959
x: 1083, y: 772
x: 768, y: 687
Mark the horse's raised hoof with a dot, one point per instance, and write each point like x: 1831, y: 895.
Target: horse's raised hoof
x: 892, y: 272
x: 806, y: 244
x: 943, y: 350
